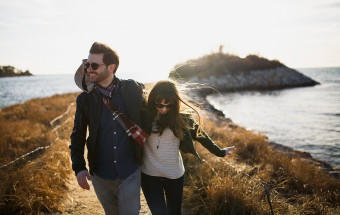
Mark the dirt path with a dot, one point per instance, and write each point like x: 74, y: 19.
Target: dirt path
x: 83, y: 202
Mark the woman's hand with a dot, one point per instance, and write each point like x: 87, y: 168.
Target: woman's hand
x: 228, y: 150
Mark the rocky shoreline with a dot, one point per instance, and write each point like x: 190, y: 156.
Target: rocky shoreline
x: 259, y: 80
x: 218, y: 116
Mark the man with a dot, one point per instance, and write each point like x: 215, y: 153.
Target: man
x: 110, y: 109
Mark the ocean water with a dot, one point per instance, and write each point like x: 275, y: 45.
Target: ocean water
x: 306, y: 118
x: 19, y: 89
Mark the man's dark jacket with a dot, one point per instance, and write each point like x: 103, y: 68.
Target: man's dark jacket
x: 88, y: 115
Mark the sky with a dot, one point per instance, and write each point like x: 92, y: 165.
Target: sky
x: 152, y: 36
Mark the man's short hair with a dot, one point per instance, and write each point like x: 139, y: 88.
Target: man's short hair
x: 110, y: 56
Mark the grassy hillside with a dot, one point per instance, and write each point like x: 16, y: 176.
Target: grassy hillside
x: 218, y: 186
x: 36, y: 183
x: 234, y: 185
x: 24, y: 127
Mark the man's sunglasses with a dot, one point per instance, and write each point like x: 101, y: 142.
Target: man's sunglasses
x: 93, y: 65
x: 162, y: 106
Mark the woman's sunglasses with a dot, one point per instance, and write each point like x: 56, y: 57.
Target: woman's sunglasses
x: 162, y: 106
x: 93, y: 65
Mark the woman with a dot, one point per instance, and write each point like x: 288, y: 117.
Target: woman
x: 170, y: 130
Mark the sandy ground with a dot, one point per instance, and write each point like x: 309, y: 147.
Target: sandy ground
x: 82, y: 202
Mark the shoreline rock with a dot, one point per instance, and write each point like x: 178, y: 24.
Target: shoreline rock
x: 226, y: 72
x: 288, y: 151
x: 258, y: 80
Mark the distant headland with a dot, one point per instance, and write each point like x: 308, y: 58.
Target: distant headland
x: 11, y: 71
x: 227, y: 72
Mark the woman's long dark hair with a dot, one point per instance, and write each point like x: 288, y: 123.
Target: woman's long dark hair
x: 167, y: 90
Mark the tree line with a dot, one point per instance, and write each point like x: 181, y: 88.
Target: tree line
x: 10, y: 71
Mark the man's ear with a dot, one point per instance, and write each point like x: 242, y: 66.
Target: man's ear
x: 112, y: 67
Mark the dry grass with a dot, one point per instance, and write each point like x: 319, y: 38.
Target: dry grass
x: 36, y: 186
x: 24, y: 127
x: 296, y: 186
x: 213, y: 187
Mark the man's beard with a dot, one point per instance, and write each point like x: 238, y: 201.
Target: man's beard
x: 100, y: 76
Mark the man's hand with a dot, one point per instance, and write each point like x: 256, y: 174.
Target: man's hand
x: 81, y: 178
x: 228, y: 150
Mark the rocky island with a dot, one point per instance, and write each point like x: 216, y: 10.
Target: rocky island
x: 226, y: 73
x: 11, y: 71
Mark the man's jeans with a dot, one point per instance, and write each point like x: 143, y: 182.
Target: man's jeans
x: 154, y: 189
x: 119, y: 196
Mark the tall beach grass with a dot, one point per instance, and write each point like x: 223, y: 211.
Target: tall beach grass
x: 233, y: 185
x: 217, y: 186
x: 37, y: 183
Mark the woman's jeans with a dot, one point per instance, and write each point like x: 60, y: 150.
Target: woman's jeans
x: 154, y: 189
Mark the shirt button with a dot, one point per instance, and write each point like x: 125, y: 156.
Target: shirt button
x: 114, y: 132
x: 114, y: 147
x: 114, y: 119
x: 114, y: 161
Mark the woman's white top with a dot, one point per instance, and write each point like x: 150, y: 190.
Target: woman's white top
x: 161, y: 156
